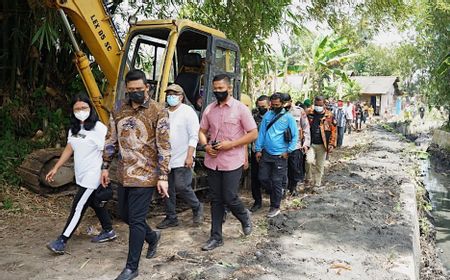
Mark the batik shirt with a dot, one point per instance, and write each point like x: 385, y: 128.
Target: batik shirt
x: 141, y: 138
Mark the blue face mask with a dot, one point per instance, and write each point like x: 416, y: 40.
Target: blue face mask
x: 173, y: 100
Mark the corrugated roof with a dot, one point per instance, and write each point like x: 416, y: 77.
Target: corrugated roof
x: 375, y: 84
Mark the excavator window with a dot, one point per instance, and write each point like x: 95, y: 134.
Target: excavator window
x: 192, y: 53
x: 146, y: 52
x: 147, y: 55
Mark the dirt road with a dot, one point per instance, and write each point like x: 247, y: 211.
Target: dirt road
x: 358, y: 226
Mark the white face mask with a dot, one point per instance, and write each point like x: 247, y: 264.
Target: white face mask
x: 82, y: 115
x: 318, y: 109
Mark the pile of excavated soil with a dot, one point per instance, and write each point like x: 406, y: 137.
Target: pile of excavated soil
x: 354, y: 227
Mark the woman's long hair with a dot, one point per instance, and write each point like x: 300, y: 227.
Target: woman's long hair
x: 89, y: 123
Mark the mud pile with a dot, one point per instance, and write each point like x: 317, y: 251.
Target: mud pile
x: 356, y: 226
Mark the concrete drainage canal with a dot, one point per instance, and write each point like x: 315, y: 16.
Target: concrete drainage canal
x: 437, y: 184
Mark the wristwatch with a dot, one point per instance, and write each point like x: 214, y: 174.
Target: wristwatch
x: 163, y: 178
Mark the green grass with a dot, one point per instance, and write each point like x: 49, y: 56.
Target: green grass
x: 297, y: 203
x: 8, y: 204
x: 13, y: 151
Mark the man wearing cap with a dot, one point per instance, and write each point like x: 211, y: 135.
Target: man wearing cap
x: 307, y: 103
x: 184, y: 126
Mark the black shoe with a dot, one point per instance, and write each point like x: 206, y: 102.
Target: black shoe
x: 247, y: 225
x: 212, y: 244
x: 273, y: 212
x: 167, y: 223
x: 198, y: 215
x: 255, y: 207
x: 127, y: 274
x: 153, y: 245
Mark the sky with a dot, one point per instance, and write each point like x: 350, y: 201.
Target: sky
x: 384, y: 38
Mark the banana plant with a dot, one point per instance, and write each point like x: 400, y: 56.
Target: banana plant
x: 322, y: 62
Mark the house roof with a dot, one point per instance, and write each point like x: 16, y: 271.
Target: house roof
x: 376, y: 84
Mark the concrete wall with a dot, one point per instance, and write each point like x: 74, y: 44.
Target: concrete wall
x: 441, y: 138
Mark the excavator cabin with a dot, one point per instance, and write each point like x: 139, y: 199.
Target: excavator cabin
x: 181, y: 52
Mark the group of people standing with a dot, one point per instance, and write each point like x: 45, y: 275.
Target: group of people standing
x: 156, y: 145
x: 292, y: 145
x: 348, y: 117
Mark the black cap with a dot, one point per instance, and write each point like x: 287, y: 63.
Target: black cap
x: 285, y: 97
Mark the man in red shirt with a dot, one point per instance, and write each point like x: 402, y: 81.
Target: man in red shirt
x: 231, y: 128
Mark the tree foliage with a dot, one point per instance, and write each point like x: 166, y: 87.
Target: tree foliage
x: 431, y: 19
x: 37, y: 68
x: 321, y: 60
x: 249, y: 23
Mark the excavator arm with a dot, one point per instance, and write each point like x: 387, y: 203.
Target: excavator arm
x: 93, y: 22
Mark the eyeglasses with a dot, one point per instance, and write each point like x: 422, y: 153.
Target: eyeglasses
x: 173, y: 94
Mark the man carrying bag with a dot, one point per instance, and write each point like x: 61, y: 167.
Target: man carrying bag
x: 278, y: 136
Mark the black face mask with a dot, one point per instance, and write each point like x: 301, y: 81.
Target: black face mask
x: 137, y: 96
x: 277, y: 110
x: 221, y: 95
x: 262, y: 110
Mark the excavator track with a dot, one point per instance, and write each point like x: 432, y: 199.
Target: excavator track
x: 36, y: 166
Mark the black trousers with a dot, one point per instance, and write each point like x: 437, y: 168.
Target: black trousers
x: 272, y: 172
x: 84, y: 198
x: 256, y: 185
x: 224, y: 188
x: 134, y: 203
x: 295, y: 169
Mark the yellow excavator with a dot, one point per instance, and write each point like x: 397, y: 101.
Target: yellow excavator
x: 168, y: 51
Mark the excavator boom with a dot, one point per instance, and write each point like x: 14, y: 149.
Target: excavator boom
x: 93, y: 23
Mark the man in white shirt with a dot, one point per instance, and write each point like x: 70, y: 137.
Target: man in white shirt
x: 349, y: 117
x: 184, y: 127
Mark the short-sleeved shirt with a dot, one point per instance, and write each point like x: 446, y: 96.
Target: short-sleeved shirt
x: 87, y: 148
x: 228, y: 122
x: 184, y: 128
